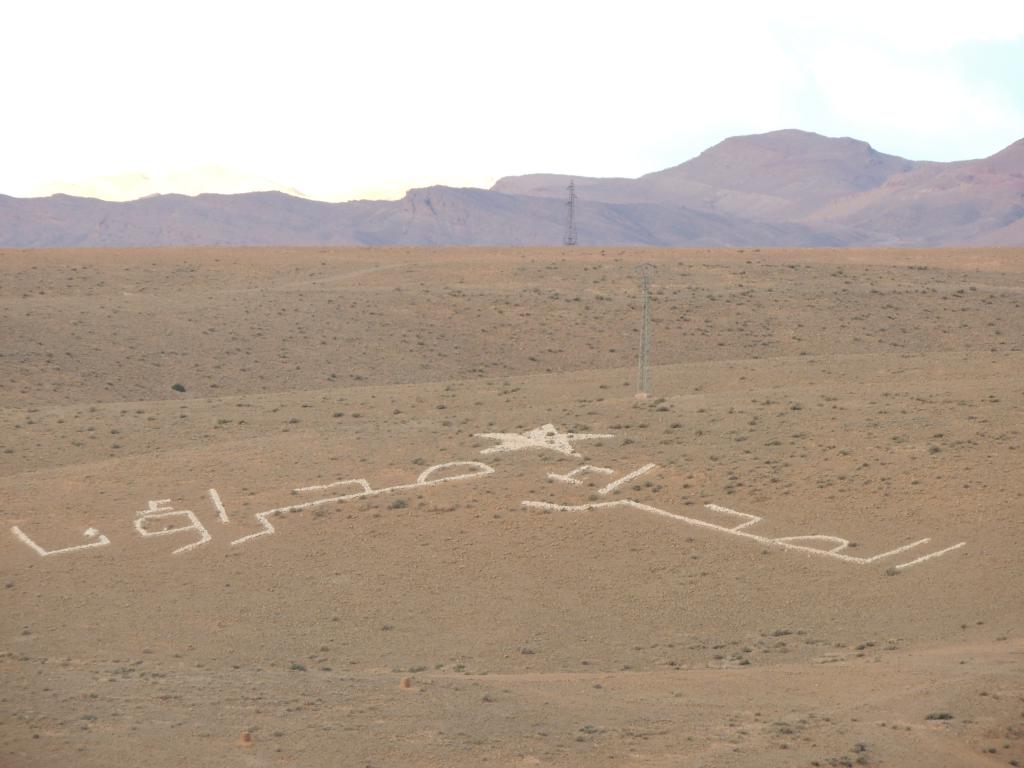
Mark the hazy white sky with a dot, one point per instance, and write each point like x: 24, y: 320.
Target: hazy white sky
x: 350, y: 99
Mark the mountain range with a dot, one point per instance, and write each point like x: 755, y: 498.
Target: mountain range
x: 784, y: 188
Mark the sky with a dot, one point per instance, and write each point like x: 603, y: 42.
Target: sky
x: 347, y: 100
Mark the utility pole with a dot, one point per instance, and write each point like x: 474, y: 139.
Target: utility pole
x: 570, y: 224
x: 643, y: 388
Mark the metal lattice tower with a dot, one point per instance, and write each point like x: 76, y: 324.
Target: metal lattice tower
x: 570, y: 223
x: 643, y: 386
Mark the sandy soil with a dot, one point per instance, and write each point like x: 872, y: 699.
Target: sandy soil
x: 871, y: 396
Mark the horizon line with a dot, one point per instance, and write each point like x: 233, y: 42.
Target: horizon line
x: 292, y: 192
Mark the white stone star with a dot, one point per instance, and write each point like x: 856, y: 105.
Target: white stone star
x: 546, y: 436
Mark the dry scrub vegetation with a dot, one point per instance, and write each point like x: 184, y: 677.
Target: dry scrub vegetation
x: 873, y: 395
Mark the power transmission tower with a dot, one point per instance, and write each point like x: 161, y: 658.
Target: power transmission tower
x: 643, y: 388
x: 570, y: 224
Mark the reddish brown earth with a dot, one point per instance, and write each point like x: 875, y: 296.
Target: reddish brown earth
x: 871, y: 395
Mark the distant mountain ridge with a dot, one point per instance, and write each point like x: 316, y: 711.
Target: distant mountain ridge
x: 784, y: 188
x: 783, y: 174
x: 190, y: 181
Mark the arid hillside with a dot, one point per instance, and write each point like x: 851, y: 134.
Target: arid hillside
x: 401, y: 507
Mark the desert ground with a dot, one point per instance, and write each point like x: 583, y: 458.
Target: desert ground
x: 251, y: 514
